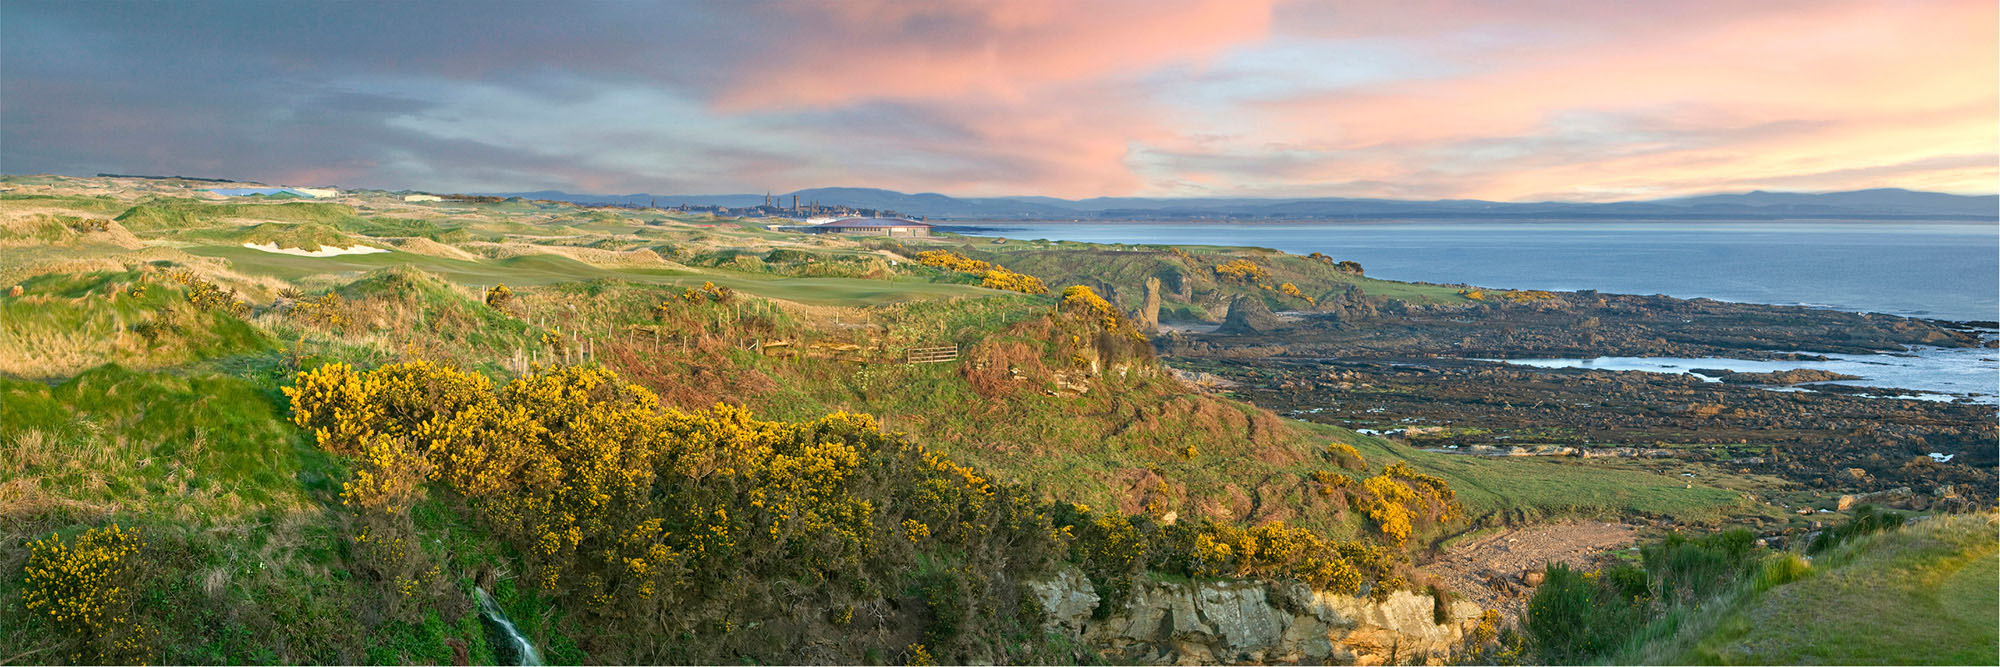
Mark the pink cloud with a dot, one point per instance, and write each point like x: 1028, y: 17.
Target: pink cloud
x: 1698, y: 104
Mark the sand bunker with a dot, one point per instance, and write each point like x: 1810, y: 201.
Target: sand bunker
x: 323, y: 251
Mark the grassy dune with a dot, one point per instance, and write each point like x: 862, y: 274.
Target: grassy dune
x: 1530, y: 488
x: 122, y: 400
x: 1925, y: 594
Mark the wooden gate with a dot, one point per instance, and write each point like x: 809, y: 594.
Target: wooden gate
x: 933, y: 355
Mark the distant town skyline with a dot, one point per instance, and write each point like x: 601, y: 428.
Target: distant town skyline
x: 1435, y: 99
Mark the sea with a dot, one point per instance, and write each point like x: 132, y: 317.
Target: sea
x: 1936, y: 270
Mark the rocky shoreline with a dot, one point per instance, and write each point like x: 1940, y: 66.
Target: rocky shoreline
x: 1509, y: 325
x: 1414, y: 372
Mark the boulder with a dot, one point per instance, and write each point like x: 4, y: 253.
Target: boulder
x: 1249, y: 315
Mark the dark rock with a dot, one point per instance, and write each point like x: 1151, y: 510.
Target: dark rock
x: 1249, y: 315
x: 1794, y: 376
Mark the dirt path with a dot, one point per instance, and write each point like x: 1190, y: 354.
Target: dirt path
x: 1488, y: 569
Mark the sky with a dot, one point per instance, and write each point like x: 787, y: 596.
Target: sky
x: 1418, y: 99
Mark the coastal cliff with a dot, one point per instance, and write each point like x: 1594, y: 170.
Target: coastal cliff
x: 1250, y: 622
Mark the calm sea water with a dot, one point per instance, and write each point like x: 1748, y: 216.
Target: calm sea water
x: 1926, y: 373
x: 1937, y: 270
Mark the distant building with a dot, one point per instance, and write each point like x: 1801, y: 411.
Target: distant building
x: 415, y: 198
x: 875, y: 227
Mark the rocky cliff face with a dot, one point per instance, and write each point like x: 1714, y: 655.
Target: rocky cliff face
x: 1241, y: 622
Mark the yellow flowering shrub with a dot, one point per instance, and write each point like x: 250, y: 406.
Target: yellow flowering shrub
x: 1291, y: 290
x: 634, y: 511
x: 208, y: 296
x: 1346, y: 456
x: 1243, y: 271
x: 329, y: 311
x: 1116, y: 333
x: 498, y: 296
x: 84, y: 589
x: 946, y: 259
x: 1389, y: 506
x: 709, y: 292
x: 1400, y: 495
x: 991, y: 275
x: 999, y: 278
x: 1082, y: 299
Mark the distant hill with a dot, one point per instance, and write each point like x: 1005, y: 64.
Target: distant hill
x: 1884, y: 203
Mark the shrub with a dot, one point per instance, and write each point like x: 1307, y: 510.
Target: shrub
x: 84, y: 589
x: 1564, y: 618
x: 1346, y: 456
x: 499, y: 296
x: 645, y: 519
x: 1291, y: 290
x: 328, y: 311
x: 1003, y: 279
x: 1693, y: 568
x: 708, y: 292
x: 206, y: 296
x: 1243, y: 271
x: 945, y: 259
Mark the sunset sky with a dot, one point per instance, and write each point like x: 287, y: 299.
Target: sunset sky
x: 1512, y: 101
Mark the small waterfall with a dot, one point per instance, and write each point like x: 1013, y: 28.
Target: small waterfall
x: 512, y: 644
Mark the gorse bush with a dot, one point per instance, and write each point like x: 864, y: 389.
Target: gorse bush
x: 1291, y: 290
x: 990, y: 275
x: 1014, y: 282
x: 1243, y: 271
x: 946, y: 259
x: 650, y: 521
x: 208, y: 296
x: 328, y: 311
x: 498, y: 296
x: 654, y: 520
x: 85, y: 589
x: 1399, y: 497
x: 708, y: 292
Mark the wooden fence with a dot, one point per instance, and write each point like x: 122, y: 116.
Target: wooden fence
x: 933, y: 355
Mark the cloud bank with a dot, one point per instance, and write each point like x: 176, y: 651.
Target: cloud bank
x: 1438, y: 99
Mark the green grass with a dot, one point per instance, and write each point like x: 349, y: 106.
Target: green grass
x: 1125, y: 268
x: 1925, y: 594
x: 1530, y: 488
x: 178, y: 214
x: 65, y: 323
x: 551, y: 269
x: 72, y: 202
x: 302, y: 235
x: 383, y: 226
x: 183, y: 446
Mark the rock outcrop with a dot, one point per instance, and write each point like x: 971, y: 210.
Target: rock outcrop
x: 1149, y: 312
x: 1794, y: 376
x: 1248, y: 622
x: 1249, y: 315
